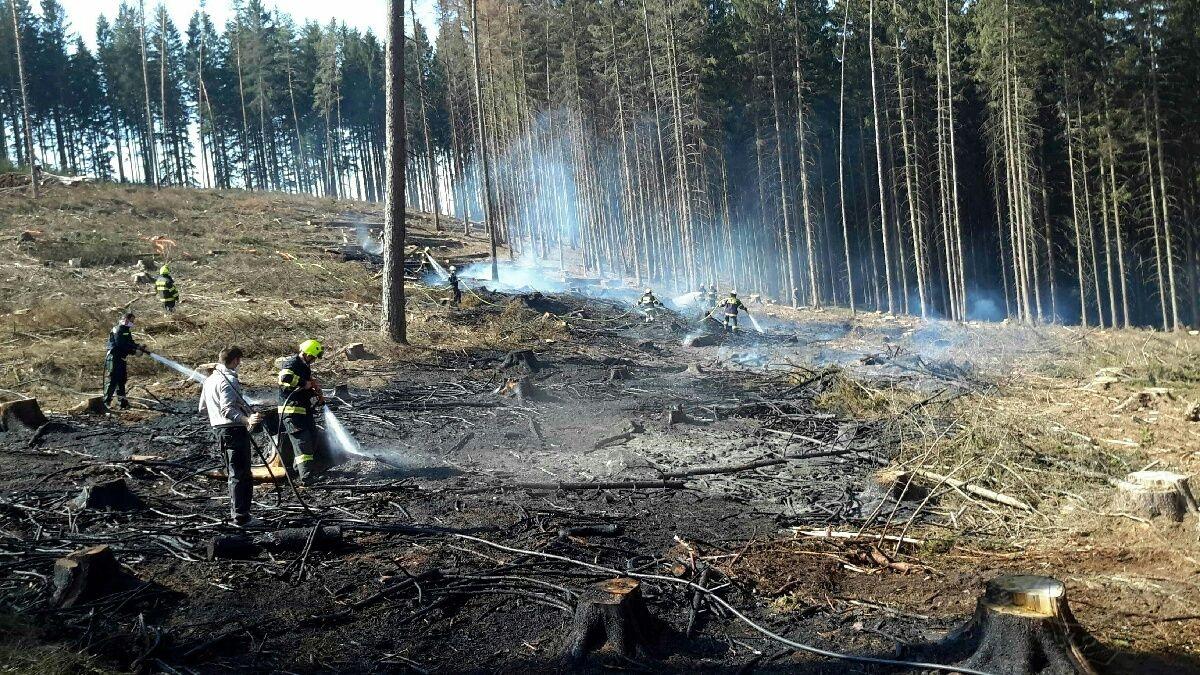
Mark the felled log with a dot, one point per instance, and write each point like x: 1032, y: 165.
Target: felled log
x: 1022, y: 626
x: 673, y: 415
x: 612, y: 616
x: 603, y: 530
x: 22, y: 413
x: 704, y: 340
x: 355, y: 351
x: 244, y: 546
x: 112, y: 495
x: 990, y: 495
x: 86, y: 575
x: 1155, y: 494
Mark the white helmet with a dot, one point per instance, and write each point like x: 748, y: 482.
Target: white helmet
x: 453, y: 268
x: 648, y: 291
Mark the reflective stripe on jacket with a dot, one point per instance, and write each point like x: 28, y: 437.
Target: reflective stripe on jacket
x: 294, y: 398
x: 167, y: 292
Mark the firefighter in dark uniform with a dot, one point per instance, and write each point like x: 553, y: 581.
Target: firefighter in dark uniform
x: 299, y: 399
x: 168, y: 294
x: 732, y: 305
x: 120, y: 347
x: 649, y: 304
x: 455, y: 290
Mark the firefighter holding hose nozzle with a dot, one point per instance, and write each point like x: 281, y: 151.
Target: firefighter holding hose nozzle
x: 455, y: 290
x: 732, y: 305
x: 649, y: 304
x: 299, y: 399
x: 120, y: 346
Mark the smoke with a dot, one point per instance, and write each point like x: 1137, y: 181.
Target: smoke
x: 366, y: 241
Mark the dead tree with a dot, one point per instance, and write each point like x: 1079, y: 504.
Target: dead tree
x: 393, y: 238
x: 33, y: 179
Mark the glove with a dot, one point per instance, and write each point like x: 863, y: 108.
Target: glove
x: 142, y: 349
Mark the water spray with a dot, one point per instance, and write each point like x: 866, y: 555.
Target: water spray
x: 437, y: 267
x: 178, y: 367
x: 754, y: 321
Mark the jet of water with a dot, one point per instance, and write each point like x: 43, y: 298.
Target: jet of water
x: 755, y: 322
x: 179, y: 368
x: 438, y: 268
x: 338, y: 437
x: 686, y: 299
x: 366, y: 241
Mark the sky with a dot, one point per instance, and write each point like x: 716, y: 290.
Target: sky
x: 362, y: 14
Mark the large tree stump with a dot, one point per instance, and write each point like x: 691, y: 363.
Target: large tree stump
x: 93, y: 405
x: 523, y: 359
x: 112, y: 495
x: 86, y: 575
x: 1155, y: 494
x: 611, y: 615
x: 22, y: 413
x: 1022, y: 626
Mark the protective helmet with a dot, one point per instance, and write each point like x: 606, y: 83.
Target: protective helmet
x: 312, y: 348
x: 648, y: 291
x: 164, y: 270
x: 453, y: 268
x: 733, y: 294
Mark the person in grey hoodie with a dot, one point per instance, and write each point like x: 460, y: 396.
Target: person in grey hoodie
x: 231, y: 418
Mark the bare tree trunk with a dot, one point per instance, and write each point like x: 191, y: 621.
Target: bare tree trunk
x: 489, y: 221
x: 152, y: 164
x: 842, y: 158
x: 393, y: 322
x: 33, y: 181
x: 883, y: 228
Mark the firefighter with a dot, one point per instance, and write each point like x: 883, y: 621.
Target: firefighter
x: 299, y: 399
x: 168, y: 293
x: 649, y: 304
x: 120, y: 347
x: 454, y: 286
x: 712, y: 295
x: 732, y: 305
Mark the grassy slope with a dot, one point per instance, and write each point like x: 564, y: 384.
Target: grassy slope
x: 270, y: 286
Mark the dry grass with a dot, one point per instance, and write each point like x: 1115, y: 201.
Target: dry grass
x: 267, y: 286
x: 22, y: 653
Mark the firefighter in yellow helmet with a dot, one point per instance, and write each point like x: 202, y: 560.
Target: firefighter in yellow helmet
x: 300, y: 398
x: 732, y: 305
x: 168, y: 293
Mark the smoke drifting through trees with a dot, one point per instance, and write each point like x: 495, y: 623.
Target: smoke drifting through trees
x: 930, y: 156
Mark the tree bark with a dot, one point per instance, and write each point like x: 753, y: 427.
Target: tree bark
x: 394, y: 323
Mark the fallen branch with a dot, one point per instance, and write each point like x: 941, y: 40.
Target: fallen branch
x: 984, y: 493
x: 757, y: 464
x: 829, y: 534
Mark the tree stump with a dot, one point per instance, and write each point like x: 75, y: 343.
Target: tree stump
x: 94, y: 405
x: 86, y: 575
x: 524, y: 359
x: 899, y: 484
x: 694, y: 369
x: 1155, y: 494
x: 113, y: 495
x: 1022, y: 626
x: 617, y: 373
x: 673, y: 415
x: 1193, y: 413
x: 22, y: 413
x: 356, y: 351
x: 611, y: 615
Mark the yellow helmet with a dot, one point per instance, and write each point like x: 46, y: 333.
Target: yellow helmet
x: 312, y: 348
x: 164, y: 270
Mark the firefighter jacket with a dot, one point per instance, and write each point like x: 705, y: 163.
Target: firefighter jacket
x: 167, y: 292
x: 296, y: 397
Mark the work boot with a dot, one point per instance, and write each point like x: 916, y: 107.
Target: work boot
x: 124, y: 404
x: 247, y: 522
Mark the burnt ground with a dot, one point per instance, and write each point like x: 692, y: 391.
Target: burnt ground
x: 579, y: 457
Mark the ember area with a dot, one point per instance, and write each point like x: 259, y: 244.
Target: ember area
x: 546, y: 481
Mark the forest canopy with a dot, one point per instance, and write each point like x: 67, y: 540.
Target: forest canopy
x: 1032, y: 159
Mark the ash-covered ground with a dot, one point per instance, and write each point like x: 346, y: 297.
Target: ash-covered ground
x: 475, y: 478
